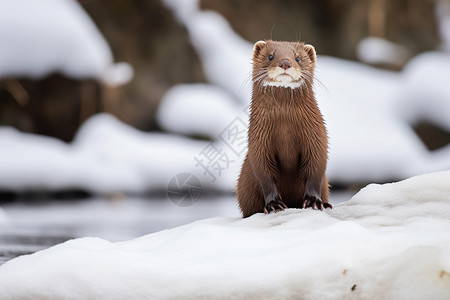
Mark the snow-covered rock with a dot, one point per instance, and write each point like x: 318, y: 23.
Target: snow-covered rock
x: 43, y: 37
x: 388, y: 242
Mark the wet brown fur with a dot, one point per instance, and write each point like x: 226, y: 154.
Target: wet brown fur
x: 287, y: 139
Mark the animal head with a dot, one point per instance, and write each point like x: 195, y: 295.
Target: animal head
x: 283, y: 64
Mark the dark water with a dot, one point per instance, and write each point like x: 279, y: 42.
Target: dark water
x: 33, y: 227
x: 13, y: 245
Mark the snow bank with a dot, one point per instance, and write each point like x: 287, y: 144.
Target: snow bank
x: 42, y: 37
x: 387, y: 242
x: 225, y: 56
x: 106, y: 156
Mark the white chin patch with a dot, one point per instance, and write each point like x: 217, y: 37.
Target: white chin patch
x: 282, y: 78
x: 283, y: 83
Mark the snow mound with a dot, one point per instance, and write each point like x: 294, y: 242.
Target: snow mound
x: 388, y: 242
x: 118, y: 74
x: 225, y: 56
x: 106, y: 156
x: 196, y: 109
x: 426, y: 97
x: 369, y: 140
x: 43, y: 37
x: 3, y: 216
x: 442, y: 12
x: 183, y: 9
x: 374, y: 50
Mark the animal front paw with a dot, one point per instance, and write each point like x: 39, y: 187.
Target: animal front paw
x: 274, y: 205
x: 315, y: 203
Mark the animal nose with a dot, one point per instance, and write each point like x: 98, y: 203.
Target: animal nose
x: 285, y: 64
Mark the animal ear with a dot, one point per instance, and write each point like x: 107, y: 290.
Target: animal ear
x: 258, y: 47
x: 311, y: 52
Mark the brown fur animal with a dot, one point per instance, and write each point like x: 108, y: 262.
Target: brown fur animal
x: 287, y: 139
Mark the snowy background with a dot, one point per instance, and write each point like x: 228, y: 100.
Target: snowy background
x: 370, y: 115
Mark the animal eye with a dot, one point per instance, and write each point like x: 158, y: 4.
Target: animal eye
x: 270, y: 57
x: 297, y: 59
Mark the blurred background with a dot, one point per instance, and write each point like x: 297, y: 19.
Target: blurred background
x: 120, y: 118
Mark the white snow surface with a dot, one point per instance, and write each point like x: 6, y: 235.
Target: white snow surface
x: 389, y: 241
x: 43, y: 37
